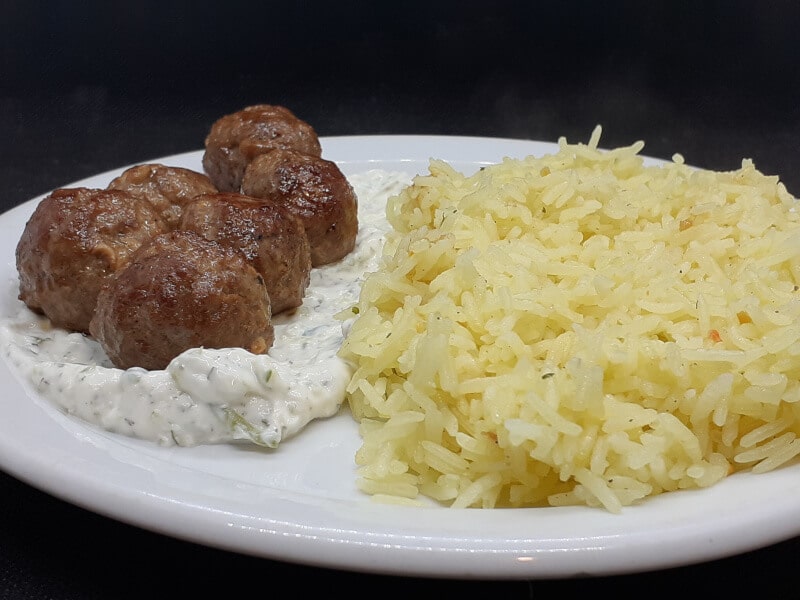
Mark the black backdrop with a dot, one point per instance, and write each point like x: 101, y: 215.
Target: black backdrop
x: 87, y: 87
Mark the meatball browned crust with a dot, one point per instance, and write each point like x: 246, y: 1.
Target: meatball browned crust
x: 268, y: 235
x: 167, y: 188
x: 181, y: 291
x: 316, y: 191
x: 236, y: 139
x: 73, y: 242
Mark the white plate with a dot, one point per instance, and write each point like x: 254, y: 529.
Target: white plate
x: 300, y: 504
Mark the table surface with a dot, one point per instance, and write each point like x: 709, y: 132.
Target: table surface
x: 86, y: 90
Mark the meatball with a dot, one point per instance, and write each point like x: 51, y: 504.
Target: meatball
x: 75, y: 239
x: 316, y: 191
x: 236, y: 139
x: 167, y: 188
x: 181, y: 291
x: 268, y: 235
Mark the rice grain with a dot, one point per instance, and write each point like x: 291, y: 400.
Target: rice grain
x: 578, y: 328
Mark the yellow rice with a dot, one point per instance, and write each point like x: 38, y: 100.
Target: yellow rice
x: 578, y: 328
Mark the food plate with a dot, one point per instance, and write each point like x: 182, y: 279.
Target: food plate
x: 299, y: 502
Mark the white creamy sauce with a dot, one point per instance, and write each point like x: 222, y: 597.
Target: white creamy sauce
x: 209, y: 396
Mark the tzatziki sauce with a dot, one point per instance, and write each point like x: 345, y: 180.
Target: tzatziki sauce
x: 207, y: 396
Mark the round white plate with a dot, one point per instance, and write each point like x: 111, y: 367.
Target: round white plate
x: 299, y: 503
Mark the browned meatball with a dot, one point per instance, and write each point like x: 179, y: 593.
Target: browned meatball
x: 167, y: 188
x: 237, y: 138
x: 181, y: 291
x: 269, y: 236
x: 75, y: 239
x: 316, y: 191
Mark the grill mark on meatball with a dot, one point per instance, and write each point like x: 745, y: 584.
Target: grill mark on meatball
x: 237, y: 138
x: 181, y: 291
x: 75, y: 239
x: 267, y: 234
x: 167, y: 188
x: 315, y: 190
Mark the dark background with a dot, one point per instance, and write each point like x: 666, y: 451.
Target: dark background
x: 88, y: 88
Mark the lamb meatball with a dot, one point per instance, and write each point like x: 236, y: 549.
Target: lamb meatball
x: 236, y: 139
x: 75, y: 239
x: 269, y: 236
x: 181, y: 291
x: 167, y: 188
x: 316, y: 191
